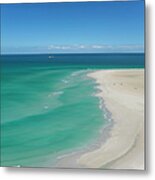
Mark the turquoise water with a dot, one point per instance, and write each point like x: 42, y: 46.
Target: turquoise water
x: 47, y: 110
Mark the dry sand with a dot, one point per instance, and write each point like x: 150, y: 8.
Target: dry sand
x: 123, y: 94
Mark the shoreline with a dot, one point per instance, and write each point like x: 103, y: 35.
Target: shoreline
x: 120, y: 145
x: 123, y: 94
x: 69, y: 159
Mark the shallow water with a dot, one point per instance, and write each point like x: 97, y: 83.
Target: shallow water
x: 46, y: 112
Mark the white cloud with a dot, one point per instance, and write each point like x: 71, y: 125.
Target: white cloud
x: 129, y: 47
x: 82, y: 46
x: 94, y: 46
x: 97, y: 46
x: 101, y: 46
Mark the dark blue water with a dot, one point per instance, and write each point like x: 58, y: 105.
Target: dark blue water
x: 125, y: 60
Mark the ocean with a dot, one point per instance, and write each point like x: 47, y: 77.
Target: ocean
x: 49, y: 107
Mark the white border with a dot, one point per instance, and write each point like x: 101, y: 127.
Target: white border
x: 51, y: 174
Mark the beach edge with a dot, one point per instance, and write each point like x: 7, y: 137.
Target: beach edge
x: 125, y: 148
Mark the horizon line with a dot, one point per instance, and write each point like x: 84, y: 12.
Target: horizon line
x: 73, y: 53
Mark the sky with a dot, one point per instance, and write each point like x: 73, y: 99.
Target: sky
x: 94, y: 27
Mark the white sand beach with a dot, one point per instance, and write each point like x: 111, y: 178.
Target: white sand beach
x: 123, y: 94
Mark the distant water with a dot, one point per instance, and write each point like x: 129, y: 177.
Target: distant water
x: 126, y: 60
x: 48, y: 107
